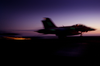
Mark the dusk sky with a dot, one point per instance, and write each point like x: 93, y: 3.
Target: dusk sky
x: 27, y: 14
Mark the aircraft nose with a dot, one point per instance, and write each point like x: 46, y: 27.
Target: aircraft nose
x: 92, y: 29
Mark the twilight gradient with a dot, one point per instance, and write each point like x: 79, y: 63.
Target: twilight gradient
x: 27, y: 14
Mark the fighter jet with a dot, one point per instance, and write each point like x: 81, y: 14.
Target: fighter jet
x: 62, y: 32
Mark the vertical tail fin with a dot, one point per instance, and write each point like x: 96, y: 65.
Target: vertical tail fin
x: 47, y: 23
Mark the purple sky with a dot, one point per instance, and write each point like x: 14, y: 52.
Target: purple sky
x: 27, y: 14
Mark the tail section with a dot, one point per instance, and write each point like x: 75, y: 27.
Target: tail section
x: 47, y: 23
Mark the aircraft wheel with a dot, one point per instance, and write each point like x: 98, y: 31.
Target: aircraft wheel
x: 61, y: 37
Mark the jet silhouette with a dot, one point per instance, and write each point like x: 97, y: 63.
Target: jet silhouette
x: 62, y: 32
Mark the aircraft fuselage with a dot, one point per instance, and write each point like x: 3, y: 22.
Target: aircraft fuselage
x: 51, y: 28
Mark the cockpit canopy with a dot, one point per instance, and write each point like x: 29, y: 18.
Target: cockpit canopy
x: 79, y: 25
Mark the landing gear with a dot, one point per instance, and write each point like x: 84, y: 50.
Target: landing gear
x: 81, y: 34
x: 61, y: 36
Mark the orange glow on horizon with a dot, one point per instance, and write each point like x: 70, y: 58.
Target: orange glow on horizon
x: 92, y: 33
x: 17, y: 38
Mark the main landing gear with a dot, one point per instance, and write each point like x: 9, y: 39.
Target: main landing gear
x: 61, y: 36
x: 81, y: 34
